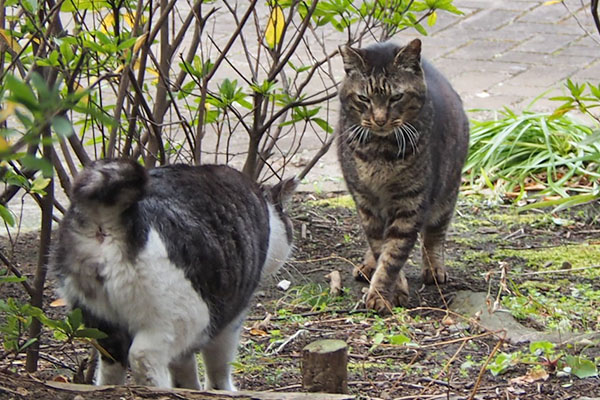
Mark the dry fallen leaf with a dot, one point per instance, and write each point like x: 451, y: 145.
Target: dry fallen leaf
x: 58, y: 303
x: 531, y: 376
x: 60, y: 378
x: 258, y: 332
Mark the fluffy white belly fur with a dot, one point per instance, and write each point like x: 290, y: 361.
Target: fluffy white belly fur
x: 143, y: 295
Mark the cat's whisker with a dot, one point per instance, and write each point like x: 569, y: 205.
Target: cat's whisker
x: 367, y: 134
x: 414, y: 131
x: 353, y: 133
x: 411, y: 134
x: 400, y: 136
x: 364, y: 134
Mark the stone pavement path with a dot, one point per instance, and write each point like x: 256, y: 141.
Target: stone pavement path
x: 507, y: 52
x: 501, y: 53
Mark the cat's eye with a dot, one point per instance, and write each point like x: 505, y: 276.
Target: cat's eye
x: 363, y: 98
x: 396, y: 97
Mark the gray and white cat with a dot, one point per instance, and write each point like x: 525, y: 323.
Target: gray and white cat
x: 166, y: 262
x: 402, y: 140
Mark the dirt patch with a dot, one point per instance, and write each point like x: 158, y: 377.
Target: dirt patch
x: 421, y: 352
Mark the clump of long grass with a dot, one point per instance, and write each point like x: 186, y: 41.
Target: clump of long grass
x: 550, y: 156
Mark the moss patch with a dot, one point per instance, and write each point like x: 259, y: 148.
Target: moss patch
x: 579, y: 256
x: 339, y: 201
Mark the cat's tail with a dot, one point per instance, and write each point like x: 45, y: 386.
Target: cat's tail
x: 115, y: 184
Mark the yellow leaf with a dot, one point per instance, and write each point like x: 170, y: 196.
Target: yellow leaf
x: 108, y: 22
x: 80, y: 89
x: 34, y: 39
x: 431, y: 20
x: 7, y: 111
x: 4, y: 146
x: 129, y: 18
x: 10, y: 41
x: 550, y: 2
x: 139, y: 42
x: 275, y: 27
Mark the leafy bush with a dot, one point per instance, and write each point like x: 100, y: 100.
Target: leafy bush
x: 544, y: 154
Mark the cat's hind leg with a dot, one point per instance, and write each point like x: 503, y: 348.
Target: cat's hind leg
x: 110, y: 372
x: 184, y: 371
x: 218, y: 355
x: 112, y: 360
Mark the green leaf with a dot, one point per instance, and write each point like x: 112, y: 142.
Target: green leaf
x: 79, y: 5
x: 7, y: 216
x: 420, y: 29
x: 39, y: 184
x: 21, y: 93
x: 127, y: 43
x: 399, y: 339
x: 90, y: 333
x: 62, y: 126
x: 37, y: 164
x: 28, y: 343
x: 31, y: 5
x: 75, y: 319
x: 581, y: 367
x: 12, y: 279
x: 40, y: 84
x: 66, y: 51
x: 542, y: 347
x: 323, y: 125
x: 60, y: 336
x: 502, y: 362
x: 92, y: 45
x: 378, y: 338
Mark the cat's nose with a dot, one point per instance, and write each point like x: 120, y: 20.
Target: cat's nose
x: 380, y: 121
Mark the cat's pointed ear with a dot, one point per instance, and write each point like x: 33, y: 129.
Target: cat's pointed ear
x: 282, y: 192
x: 409, y: 57
x: 353, y: 59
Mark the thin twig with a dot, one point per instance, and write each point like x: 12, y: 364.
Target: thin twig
x: 484, y: 366
x: 17, y: 273
x: 557, y: 271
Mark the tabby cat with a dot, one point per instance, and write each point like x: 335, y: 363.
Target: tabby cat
x: 402, y: 141
x: 166, y: 262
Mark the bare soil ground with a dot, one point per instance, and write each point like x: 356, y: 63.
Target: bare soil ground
x: 445, y: 354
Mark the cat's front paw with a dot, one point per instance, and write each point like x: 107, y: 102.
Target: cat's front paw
x: 382, y: 299
x: 432, y: 275
x: 364, y: 272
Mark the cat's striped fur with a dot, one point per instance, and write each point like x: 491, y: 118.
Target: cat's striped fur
x: 402, y: 141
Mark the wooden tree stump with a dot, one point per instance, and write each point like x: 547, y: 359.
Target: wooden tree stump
x: 324, y: 366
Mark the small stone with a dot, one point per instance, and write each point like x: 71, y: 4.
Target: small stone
x: 284, y: 285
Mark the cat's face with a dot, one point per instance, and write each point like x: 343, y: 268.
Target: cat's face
x: 384, y: 88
